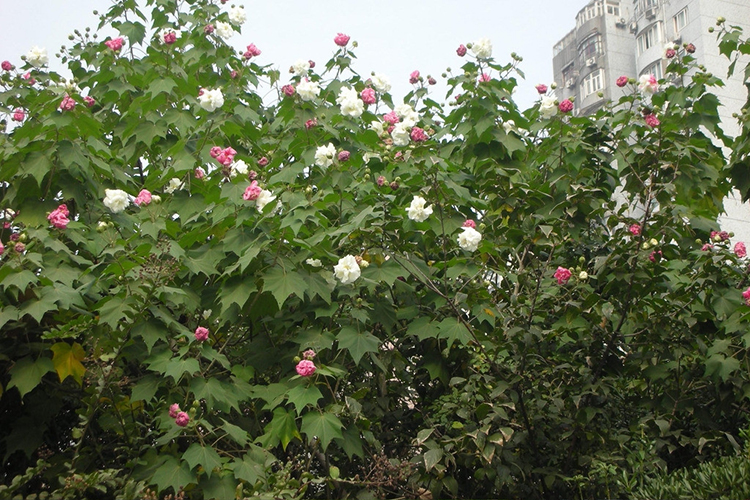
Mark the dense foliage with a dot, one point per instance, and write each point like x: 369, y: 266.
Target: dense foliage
x: 222, y: 282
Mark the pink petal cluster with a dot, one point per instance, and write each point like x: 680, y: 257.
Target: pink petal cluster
x: 252, y: 192
x: 19, y: 248
x: 6, y: 66
x: 341, y: 40
x: 461, y: 50
x: 115, y: 44
x: 311, y: 123
x: 252, y: 51
x: 67, y: 103
x: 18, y: 115
x: 541, y: 88
x: 90, y: 101
x: 224, y: 156
x: 208, y: 29
x: 740, y: 250
x: 418, y: 135
x: 170, y: 37
x: 305, y: 368
x: 651, y: 120
x: 263, y: 161
x: 655, y: 255
x: 308, y: 354
x: 746, y: 296
x: 622, y: 81
x: 690, y: 49
x: 288, y: 90
x: 2, y: 248
x: 201, y: 334
x: 143, y: 198
x: 485, y: 77
x: 470, y: 223
x: 566, y: 106
x: 706, y: 247
x: 414, y: 77
x: 719, y: 236
x: 635, y: 229
x: 174, y: 410
x: 368, y: 96
x: 344, y: 155
x: 59, y: 217
x: 381, y: 180
x: 200, y: 173
x: 562, y: 275
x: 27, y: 76
x: 670, y: 53
x: 182, y: 418
x: 391, y: 118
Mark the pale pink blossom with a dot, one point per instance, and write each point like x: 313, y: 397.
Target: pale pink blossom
x: 485, y: 77
x: 414, y: 77
x: 746, y: 296
x: 67, y: 103
x: 566, y: 106
x: 341, y: 40
x: 311, y: 123
x: 391, y: 118
x: 252, y: 192
x: 740, y: 250
x: 174, y: 410
x: 651, y: 120
x: 470, y: 223
x: 59, y: 217
x: 200, y: 173
x: 201, y: 334
x: 622, y: 81
x: 2, y: 248
x: 18, y: 115
x: 305, y: 368
x: 308, y: 354
x: 89, y: 101
x: 368, y: 96
x: 182, y: 419
x: 344, y: 155
x: 27, y: 76
x: 541, y: 88
x: 143, y: 198
x: 706, y: 247
x: 461, y: 50
x: 562, y: 275
x: 288, y: 90
x: 263, y: 161
x: 115, y: 44
x: 635, y: 229
x: 418, y: 135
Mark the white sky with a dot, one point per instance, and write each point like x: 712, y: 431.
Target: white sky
x: 395, y: 36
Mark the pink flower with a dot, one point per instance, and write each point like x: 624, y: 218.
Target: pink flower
x: 252, y: 175
x: 20, y: 247
x: 6, y: 66
x: 635, y: 229
x: 252, y: 192
x: 562, y: 275
x: 14, y: 237
x: 143, y: 198
x: 224, y: 156
x: 200, y: 173
x: 656, y: 254
x: 59, y: 217
x: 208, y: 29
x: 308, y: 354
x: 622, y: 81
x: 566, y: 106
x: 368, y: 96
x: 485, y: 77
x: 263, y: 161
x: 311, y: 63
x: 391, y: 118
x: 90, y: 101
x: 746, y: 296
x: 169, y: 39
x: 381, y: 181
x: 690, y: 49
x: 670, y: 53
x: 651, y: 120
x: 541, y: 88
x: 115, y: 44
x: 341, y: 40
x: 706, y: 247
x: 344, y: 155
x: 418, y: 135
x: 182, y: 418
x: 18, y: 115
x: 201, y: 334
x: 305, y: 368
x: 470, y: 223
x: 27, y: 76
x: 174, y: 410
x: 740, y: 250
x: 252, y: 50
x: 288, y: 90
x: 313, y: 122
x: 461, y: 50
x: 414, y: 77
x: 233, y: 74
x: 67, y: 103
x: 215, y: 151
x: 2, y: 248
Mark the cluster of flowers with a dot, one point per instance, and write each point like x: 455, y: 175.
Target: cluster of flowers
x: 118, y: 200
x: 401, y: 124
x: 16, y: 238
x: 261, y: 197
x: 305, y: 367
x: 180, y: 417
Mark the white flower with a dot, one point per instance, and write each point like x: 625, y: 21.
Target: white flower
x: 378, y: 127
x: 408, y: 116
x: 469, y: 239
x: 314, y: 262
x: 308, y: 90
x: 363, y: 264
x: 207, y: 314
x: 237, y: 15
x: 324, y: 155
x: 224, y: 30
x: 548, y: 108
x: 102, y: 226
x: 173, y: 185
x: 400, y: 134
x: 238, y: 167
x: 211, y: 99
x: 116, y: 200
x: 37, y: 57
x: 648, y: 84
x: 347, y: 270
x: 264, y: 198
x: 482, y: 48
x: 583, y: 275
x: 351, y: 104
x: 300, y: 68
x: 417, y: 211
x: 381, y: 82
x: 508, y: 126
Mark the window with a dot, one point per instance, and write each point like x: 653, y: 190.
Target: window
x: 649, y: 38
x: 594, y: 82
x: 590, y: 47
x: 680, y: 20
x: 654, y: 69
x: 613, y: 9
x: 589, y: 12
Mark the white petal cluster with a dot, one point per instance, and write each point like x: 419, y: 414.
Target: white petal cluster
x: 417, y: 211
x: 509, y: 125
x: 648, y: 84
x: 400, y: 134
x: 482, y: 48
x: 301, y: 67
x: 37, y: 57
x: 347, y: 270
x: 224, y: 30
x: 548, y: 108
x: 351, y: 104
x: 469, y: 239
x: 314, y: 262
x: 308, y: 90
x: 406, y: 113
x: 116, y: 200
x: 211, y: 99
x: 238, y: 167
x: 173, y: 185
x: 264, y: 199
x: 324, y: 155
x: 381, y: 82
x: 237, y: 15
x: 378, y: 127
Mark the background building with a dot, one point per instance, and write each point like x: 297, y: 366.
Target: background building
x: 627, y: 37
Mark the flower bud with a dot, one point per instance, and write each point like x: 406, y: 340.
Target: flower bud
x: 653, y: 242
x: 155, y: 198
x: 583, y: 275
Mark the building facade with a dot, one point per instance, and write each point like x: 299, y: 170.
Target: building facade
x: 613, y: 38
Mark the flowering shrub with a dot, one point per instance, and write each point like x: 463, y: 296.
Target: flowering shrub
x: 410, y: 252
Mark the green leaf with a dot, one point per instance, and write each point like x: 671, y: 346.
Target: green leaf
x: 303, y: 395
x: 431, y: 458
x: 219, y: 488
x: 173, y: 474
x: 248, y: 470
x: 146, y: 388
x: 235, y: 432
x: 324, y: 426
x: 282, y: 429
x: 452, y: 329
x: 236, y: 290
x: 423, y: 328
x: 723, y: 367
x: 282, y: 284
x: 27, y: 373
x: 178, y: 366
x: 357, y: 343
x: 205, y: 456
x: 20, y: 280
x: 67, y: 360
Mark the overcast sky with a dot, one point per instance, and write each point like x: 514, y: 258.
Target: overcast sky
x: 395, y: 36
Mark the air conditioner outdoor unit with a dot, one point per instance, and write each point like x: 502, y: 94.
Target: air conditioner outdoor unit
x: 633, y: 27
x: 570, y: 83
x: 591, y: 62
x: 620, y: 22
x: 650, y: 13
